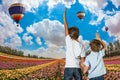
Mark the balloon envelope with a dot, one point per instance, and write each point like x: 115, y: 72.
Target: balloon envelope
x: 106, y: 28
x: 80, y: 14
x: 17, y: 11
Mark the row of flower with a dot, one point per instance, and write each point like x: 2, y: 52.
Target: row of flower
x: 112, y: 61
x: 17, y: 74
x: 13, y: 63
x: 52, y: 70
x: 112, y: 75
x: 113, y: 68
x: 112, y: 64
x: 113, y: 72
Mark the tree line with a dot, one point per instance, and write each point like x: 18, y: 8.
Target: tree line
x: 8, y: 50
x: 11, y: 51
x: 113, y: 49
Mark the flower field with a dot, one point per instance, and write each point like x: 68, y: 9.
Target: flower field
x: 113, y: 69
x: 12, y: 63
x: 13, y: 68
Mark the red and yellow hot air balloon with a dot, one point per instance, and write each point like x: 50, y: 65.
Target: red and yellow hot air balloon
x: 17, y: 11
x: 80, y: 14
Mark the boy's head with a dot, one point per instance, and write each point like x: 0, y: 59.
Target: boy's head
x: 95, y: 45
x: 74, y: 33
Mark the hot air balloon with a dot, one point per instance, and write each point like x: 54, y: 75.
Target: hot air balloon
x: 106, y: 28
x: 17, y: 11
x: 80, y: 15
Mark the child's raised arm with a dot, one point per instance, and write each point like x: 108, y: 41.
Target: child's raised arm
x: 65, y: 23
x: 103, y: 44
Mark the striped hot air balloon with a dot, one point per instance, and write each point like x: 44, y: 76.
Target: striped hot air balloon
x: 80, y: 15
x: 17, y: 11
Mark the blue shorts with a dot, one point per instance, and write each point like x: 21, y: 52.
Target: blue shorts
x: 70, y: 73
x: 97, y: 78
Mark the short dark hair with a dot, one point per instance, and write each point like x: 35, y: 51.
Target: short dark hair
x: 74, y: 33
x: 95, y: 45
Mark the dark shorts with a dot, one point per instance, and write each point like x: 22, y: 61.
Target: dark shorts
x: 97, y: 78
x: 70, y: 73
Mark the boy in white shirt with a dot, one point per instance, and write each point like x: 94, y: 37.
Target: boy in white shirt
x: 74, y: 52
x: 94, y: 63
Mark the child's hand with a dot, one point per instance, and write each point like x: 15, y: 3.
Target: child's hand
x: 64, y: 16
x: 98, y: 36
x: 103, y: 44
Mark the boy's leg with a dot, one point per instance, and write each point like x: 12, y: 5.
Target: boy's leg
x: 98, y: 78
x: 68, y: 74
x: 77, y: 74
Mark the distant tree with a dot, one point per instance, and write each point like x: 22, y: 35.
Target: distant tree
x: 8, y: 50
x: 111, y: 46
x: 20, y: 53
x: 117, y: 45
x: 34, y: 56
x: 42, y: 57
x: 28, y: 55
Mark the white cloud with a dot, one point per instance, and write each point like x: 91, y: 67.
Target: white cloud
x: 8, y: 30
x: 14, y: 42
x: 31, y: 29
x: 110, y: 12
x: 51, y: 52
x: 112, y: 22
x: 28, y: 39
x: 51, y: 31
x: 95, y: 7
x: 100, y: 16
x: 52, y: 3
x: 31, y: 5
x: 54, y: 51
x: 38, y: 40
x: 117, y: 36
x: 35, y: 52
x: 116, y: 3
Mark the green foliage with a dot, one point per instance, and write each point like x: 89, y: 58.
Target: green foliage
x: 8, y: 50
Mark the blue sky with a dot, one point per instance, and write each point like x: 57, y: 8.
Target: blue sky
x: 41, y: 30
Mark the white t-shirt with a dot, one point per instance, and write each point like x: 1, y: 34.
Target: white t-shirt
x: 74, y: 50
x: 95, y: 61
